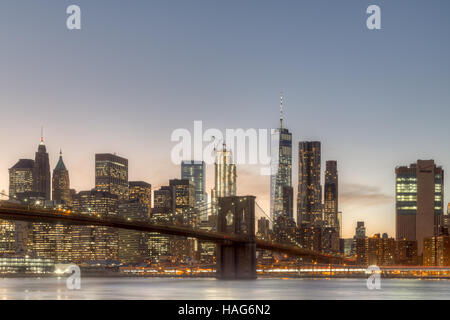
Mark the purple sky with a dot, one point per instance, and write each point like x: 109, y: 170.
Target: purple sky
x: 135, y: 72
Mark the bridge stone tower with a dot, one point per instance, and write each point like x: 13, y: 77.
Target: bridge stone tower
x: 237, y: 260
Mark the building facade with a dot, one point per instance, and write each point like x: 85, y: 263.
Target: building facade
x: 225, y: 178
x: 195, y: 171
x: 281, y: 171
x: 309, y: 198
x: 330, y: 208
x: 61, y: 182
x: 111, y: 174
x: 419, y: 201
x: 41, y: 172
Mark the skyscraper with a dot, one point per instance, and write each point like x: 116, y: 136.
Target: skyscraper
x: 195, y: 171
x: 61, y: 182
x: 163, y: 212
x: 21, y: 177
x: 184, y: 192
x: 111, y: 174
x: 225, y: 178
x: 41, y: 174
x: 14, y: 234
x: 331, y: 195
x: 95, y: 242
x: 419, y: 201
x: 309, y: 198
x: 141, y: 191
x: 281, y: 171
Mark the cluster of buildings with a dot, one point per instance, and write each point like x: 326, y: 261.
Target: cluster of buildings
x: 318, y: 220
x: 182, y: 201
x: 421, y: 226
x: 422, y: 236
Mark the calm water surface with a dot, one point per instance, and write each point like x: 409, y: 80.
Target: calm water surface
x: 163, y: 288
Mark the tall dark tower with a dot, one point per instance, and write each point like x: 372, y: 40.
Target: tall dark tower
x: 331, y: 194
x: 41, y: 175
x: 309, y: 199
x: 61, y: 182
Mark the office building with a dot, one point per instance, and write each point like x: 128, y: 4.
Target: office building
x: 281, y: 192
x: 309, y: 198
x: 111, y: 174
x: 419, y: 201
x: 225, y: 178
x: 61, y: 182
x: 195, y: 171
x: 330, y: 207
x: 94, y: 243
x: 41, y: 171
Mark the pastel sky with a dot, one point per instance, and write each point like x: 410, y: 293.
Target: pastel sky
x: 137, y: 70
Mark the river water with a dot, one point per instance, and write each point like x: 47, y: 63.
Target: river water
x: 173, y: 288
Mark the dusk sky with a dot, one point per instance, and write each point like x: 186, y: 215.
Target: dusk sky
x: 137, y: 70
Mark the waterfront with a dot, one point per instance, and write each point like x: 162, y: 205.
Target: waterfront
x: 198, y: 289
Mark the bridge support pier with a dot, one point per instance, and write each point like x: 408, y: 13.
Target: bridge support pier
x: 237, y: 260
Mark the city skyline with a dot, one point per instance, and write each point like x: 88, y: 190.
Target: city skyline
x: 383, y: 114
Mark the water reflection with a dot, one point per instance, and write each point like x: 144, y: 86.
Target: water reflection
x: 165, y: 288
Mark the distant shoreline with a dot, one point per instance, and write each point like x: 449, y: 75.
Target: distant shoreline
x: 260, y: 277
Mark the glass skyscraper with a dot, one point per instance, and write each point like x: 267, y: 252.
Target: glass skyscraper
x: 195, y: 171
x: 419, y: 201
x: 281, y: 171
x: 225, y: 178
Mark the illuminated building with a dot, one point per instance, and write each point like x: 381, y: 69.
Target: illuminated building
x: 285, y: 231
x: 91, y: 243
x: 281, y: 193
x: 133, y: 245
x: 207, y: 249
x: 330, y: 240
x: 376, y: 250
x: 21, y: 177
x: 111, y: 174
x: 163, y: 212
x: 446, y: 219
x: 195, y: 171
x: 7, y: 237
x: 61, y: 182
x: 436, y: 251
x: 419, y: 201
x: 309, y: 198
x: 142, y: 192
x: 330, y: 208
x: 14, y: 234
x: 41, y: 171
x: 186, y: 215
x: 225, y: 178
x: 25, y: 265
x: 406, y: 252
x: 184, y: 192
x: 311, y: 236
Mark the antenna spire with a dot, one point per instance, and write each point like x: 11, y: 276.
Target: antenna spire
x: 281, y: 110
x: 42, y: 134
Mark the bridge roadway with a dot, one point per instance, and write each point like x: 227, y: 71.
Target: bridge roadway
x: 33, y: 214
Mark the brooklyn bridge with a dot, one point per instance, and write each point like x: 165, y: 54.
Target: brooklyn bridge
x: 236, y: 245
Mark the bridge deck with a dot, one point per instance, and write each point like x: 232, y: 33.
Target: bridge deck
x: 32, y: 214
